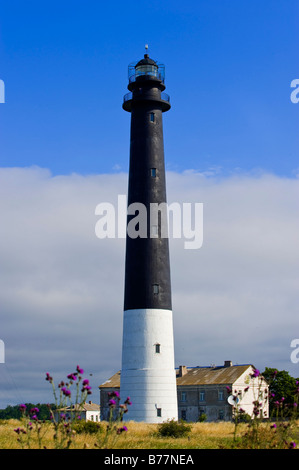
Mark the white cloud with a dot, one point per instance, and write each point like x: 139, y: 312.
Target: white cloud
x: 61, y: 288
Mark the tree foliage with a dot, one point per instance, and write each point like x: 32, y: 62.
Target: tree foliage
x: 281, y: 386
x: 14, y: 412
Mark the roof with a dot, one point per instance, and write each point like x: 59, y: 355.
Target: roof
x: 113, y: 382
x: 196, y: 376
x: 211, y: 375
x: 85, y: 407
x: 146, y: 61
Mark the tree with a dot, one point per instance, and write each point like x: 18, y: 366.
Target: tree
x: 282, y: 386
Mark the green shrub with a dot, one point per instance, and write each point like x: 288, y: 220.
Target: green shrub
x: 202, y: 418
x: 88, y: 427
x: 172, y: 428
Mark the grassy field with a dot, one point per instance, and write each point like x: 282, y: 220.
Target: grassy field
x: 138, y: 436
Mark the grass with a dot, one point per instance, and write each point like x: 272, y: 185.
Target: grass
x: 138, y: 436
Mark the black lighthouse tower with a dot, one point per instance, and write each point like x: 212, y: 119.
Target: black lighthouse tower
x: 148, y: 373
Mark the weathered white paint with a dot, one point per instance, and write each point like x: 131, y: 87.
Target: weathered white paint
x: 148, y: 377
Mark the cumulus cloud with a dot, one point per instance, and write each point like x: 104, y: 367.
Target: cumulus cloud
x: 61, y: 287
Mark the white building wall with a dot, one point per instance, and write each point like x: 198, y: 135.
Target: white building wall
x: 258, y: 390
x: 148, y: 377
x: 93, y: 416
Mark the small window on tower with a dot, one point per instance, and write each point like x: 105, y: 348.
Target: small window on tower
x: 152, y: 117
x: 153, y: 172
x: 157, y: 348
x: 159, y: 412
x: 156, y: 288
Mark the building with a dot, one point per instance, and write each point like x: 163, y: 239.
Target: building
x: 87, y: 412
x: 148, y: 373
x: 208, y: 391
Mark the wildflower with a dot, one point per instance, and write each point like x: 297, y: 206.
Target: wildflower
x: 34, y: 410
x: 66, y: 392
x: 72, y: 376
x: 120, y: 430
x: 292, y: 445
x: 85, y: 382
x: 274, y: 426
x: 228, y: 389
x: 295, y: 405
x: 256, y: 373
x: 48, y: 377
x: 112, y: 403
x: 128, y: 401
x: 79, y: 370
x: 23, y: 408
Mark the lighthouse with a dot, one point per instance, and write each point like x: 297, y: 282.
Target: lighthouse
x: 148, y: 369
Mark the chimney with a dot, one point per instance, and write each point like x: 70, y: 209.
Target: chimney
x: 228, y: 363
x: 182, y: 371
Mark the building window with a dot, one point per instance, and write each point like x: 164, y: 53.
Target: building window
x: 153, y: 172
x: 91, y: 417
x: 152, y: 117
x: 201, y: 396
x: 220, y: 395
x: 159, y: 412
x: 157, y: 348
x: 183, y: 396
x: 156, y: 288
x: 183, y: 415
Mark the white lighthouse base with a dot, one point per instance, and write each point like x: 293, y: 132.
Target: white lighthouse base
x: 148, y: 371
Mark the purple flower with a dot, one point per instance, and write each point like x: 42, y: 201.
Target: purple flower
x: 66, y: 392
x: 34, y: 410
x: 72, y: 376
x: 256, y: 373
x: 79, y: 370
x: 128, y: 401
x: 23, y: 407
x: 112, y: 402
x: 48, y: 377
x: 292, y: 445
x: 85, y: 382
x: 274, y: 426
x: 120, y: 430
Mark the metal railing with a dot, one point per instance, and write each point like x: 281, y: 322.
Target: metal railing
x: 129, y: 96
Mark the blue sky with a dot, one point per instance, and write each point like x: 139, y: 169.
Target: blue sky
x: 229, y: 65
x: 231, y: 142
